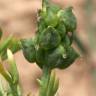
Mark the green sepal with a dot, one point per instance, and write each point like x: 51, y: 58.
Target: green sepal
x: 29, y: 49
x: 49, y: 39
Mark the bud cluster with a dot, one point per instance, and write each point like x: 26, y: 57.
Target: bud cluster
x: 51, y: 46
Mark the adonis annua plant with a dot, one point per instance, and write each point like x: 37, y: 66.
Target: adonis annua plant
x: 50, y: 48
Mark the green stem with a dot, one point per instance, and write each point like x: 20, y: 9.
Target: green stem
x: 80, y: 44
x: 45, y: 2
x: 44, y: 81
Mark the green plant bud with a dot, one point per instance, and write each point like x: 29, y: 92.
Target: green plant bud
x: 53, y: 57
x: 49, y: 14
x: 69, y: 19
x: 61, y: 29
x: 71, y: 56
x: 29, y: 49
x: 40, y: 57
x: 51, y: 19
x: 49, y: 39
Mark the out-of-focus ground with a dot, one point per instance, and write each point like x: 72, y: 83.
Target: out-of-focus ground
x: 18, y: 17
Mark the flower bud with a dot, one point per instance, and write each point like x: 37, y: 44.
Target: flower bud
x: 40, y: 57
x: 53, y: 57
x: 49, y: 39
x: 66, y: 41
x: 68, y: 18
x: 29, y: 50
x: 61, y: 29
x: 71, y: 56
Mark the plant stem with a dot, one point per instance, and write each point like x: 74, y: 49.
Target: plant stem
x: 80, y: 45
x: 44, y: 81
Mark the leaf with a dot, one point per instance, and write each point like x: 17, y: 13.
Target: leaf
x: 0, y: 33
x: 13, y: 68
x: 4, y: 73
x: 5, y: 44
x: 56, y: 85
x: 1, y: 93
x: 14, y: 45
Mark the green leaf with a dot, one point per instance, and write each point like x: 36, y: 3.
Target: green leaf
x: 13, y: 68
x: 56, y: 85
x: 48, y: 84
x: 5, y: 44
x: 0, y: 33
x: 4, y: 73
x: 14, y: 45
x: 29, y: 49
x: 49, y: 39
x: 52, y: 85
x: 1, y: 93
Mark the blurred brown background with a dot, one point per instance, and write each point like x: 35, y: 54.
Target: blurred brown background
x: 18, y: 17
